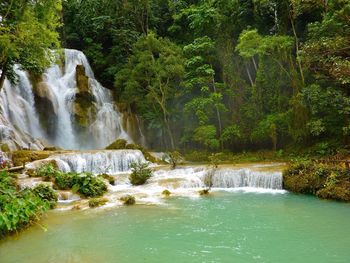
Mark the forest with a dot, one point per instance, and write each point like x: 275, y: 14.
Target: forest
x: 212, y: 74
x: 174, y: 131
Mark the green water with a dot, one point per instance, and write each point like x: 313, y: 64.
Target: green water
x: 228, y: 227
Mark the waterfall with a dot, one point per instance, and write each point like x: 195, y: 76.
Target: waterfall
x: 50, y: 109
x: 108, y: 162
x: 18, y: 116
x: 220, y: 178
x: 231, y: 178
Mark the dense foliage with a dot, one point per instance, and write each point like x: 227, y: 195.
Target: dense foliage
x: 322, y: 180
x: 20, y: 208
x: 222, y: 74
x: 83, y: 183
x: 28, y: 29
x: 140, y: 173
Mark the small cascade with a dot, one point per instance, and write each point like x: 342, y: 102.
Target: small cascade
x: 191, y: 177
x: 108, y: 162
x: 231, y: 178
x: 221, y: 178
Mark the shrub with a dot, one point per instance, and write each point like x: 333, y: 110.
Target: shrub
x: 89, y: 186
x: 140, y: 173
x: 65, y: 181
x: 47, y: 171
x: 175, y: 158
x: 109, y: 178
x: 324, y: 181
x: 18, y: 209
x: 46, y: 193
x: 128, y: 200
x: 95, y: 202
x: 214, y: 159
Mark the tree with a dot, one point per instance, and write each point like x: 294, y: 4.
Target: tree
x: 151, y: 80
x: 200, y: 80
x: 327, y: 49
x: 28, y: 30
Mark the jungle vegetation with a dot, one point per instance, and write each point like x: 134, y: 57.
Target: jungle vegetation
x: 203, y: 74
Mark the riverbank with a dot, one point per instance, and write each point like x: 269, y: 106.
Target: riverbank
x: 324, y: 180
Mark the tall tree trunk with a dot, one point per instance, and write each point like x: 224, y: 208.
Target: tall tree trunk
x: 254, y: 63
x: 170, y: 134
x: 249, y: 76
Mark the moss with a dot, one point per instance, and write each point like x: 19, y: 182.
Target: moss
x: 338, y: 192
x: 166, y: 193
x: 128, y: 200
x: 50, y: 148
x: 81, y: 79
x: 95, y: 202
x: 23, y: 156
x: 118, y: 144
x: 5, y: 148
x: 122, y: 144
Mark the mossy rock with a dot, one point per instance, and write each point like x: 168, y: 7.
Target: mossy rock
x: 122, y: 144
x: 4, y: 147
x: 50, y: 148
x: 76, y: 207
x: 166, y: 193
x: 109, y: 178
x: 327, y: 181
x: 95, y: 202
x: 81, y: 79
x: 117, y: 145
x: 204, y: 192
x: 23, y: 156
x: 128, y: 200
x: 337, y: 192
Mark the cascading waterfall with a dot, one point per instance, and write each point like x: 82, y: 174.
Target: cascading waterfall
x: 18, y: 116
x: 105, y: 126
x: 107, y: 162
x: 220, y: 178
x: 231, y: 178
x: 47, y: 111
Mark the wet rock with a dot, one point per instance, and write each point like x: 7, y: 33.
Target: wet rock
x: 95, y: 202
x: 166, y: 193
x: 128, y: 200
x: 203, y: 192
x: 83, y: 106
x: 45, y: 103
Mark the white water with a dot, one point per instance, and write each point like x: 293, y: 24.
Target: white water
x: 108, y: 162
x: 183, y: 181
x: 19, y: 117
x: 230, y: 178
x: 187, y: 181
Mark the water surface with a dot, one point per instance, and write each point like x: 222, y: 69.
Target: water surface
x: 225, y: 227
